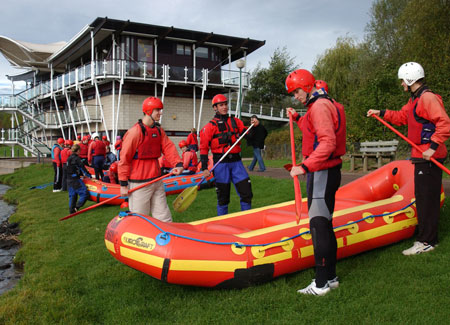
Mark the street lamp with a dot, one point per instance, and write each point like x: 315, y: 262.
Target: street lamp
x: 240, y: 64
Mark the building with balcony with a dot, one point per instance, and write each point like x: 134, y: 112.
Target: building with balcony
x: 97, y: 81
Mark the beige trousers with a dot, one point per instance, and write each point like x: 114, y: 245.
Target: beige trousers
x: 150, y: 200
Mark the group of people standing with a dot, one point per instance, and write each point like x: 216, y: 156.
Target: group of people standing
x: 323, y: 145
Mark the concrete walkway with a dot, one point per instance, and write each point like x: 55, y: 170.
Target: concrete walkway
x: 9, y: 165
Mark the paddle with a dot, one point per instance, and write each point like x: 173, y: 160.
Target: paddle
x: 445, y: 169
x: 114, y: 197
x: 297, y: 189
x: 185, y: 198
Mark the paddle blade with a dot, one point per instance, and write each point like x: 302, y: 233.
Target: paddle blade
x: 185, y: 199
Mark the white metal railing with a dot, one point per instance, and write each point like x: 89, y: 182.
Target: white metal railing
x: 124, y: 69
x: 263, y: 111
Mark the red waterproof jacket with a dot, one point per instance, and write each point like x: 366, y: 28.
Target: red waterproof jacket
x: 220, y: 134
x: 56, y: 155
x: 324, y: 134
x: 190, y: 160
x: 429, y: 107
x: 131, y: 168
x: 65, y: 153
x: 192, y: 139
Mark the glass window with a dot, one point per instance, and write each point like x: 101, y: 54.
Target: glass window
x: 187, y: 50
x: 202, y: 52
x: 145, y: 50
x: 180, y: 49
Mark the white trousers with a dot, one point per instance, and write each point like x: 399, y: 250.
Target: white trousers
x: 150, y: 200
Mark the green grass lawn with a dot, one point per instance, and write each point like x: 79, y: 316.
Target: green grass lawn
x: 70, y: 278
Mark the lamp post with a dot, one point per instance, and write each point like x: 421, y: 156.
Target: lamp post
x: 240, y: 64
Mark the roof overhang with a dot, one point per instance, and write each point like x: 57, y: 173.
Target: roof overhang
x: 102, y: 28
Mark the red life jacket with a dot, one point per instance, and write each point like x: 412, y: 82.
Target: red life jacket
x: 310, y: 141
x: 193, y: 162
x: 83, y: 150
x: 99, y: 148
x: 227, y: 134
x: 65, y: 153
x: 420, y: 130
x: 150, y: 146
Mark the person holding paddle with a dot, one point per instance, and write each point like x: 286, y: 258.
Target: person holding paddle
x: 219, y: 135
x: 428, y: 128
x: 323, y: 144
x: 142, y: 145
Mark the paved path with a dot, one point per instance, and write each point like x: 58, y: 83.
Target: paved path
x: 347, y: 177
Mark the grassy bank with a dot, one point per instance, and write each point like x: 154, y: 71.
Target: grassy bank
x: 71, y: 278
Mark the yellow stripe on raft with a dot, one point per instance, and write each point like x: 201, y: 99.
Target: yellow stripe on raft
x: 206, y: 265
x: 142, y: 257
x: 366, y: 235
x: 273, y: 258
x: 110, y: 246
x: 263, y: 231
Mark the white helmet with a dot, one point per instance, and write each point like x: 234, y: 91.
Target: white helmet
x: 410, y: 72
x: 95, y: 135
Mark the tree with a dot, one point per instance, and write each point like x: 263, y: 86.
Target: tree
x: 267, y: 84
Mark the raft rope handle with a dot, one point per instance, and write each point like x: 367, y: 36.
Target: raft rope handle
x: 239, y: 245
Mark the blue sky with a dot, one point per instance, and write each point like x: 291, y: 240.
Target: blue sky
x: 306, y: 28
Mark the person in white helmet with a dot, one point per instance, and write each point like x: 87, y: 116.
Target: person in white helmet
x: 428, y: 127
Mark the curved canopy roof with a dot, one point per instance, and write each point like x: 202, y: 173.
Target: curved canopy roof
x: 28, y: 55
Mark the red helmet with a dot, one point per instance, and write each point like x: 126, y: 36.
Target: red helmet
x: 321, y: 84
x: 67, y: 142
x: 78, y: 137
x: 150, y: 104
x: 85, y: 138
x: 300, y: 78
x: 60, y: 141
x: 219, y: 99
x: 182, y: 144
x: 113, y: 168
x: 104, y: 137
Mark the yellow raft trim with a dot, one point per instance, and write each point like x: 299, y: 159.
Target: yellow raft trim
x: 367, y: 206
x: 142, y: 257
x: 366, y: 235
x: 206, y: 265
x: 273, y: 258
x: 110, y: 246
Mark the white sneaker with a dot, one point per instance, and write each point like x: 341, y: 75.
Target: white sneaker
x: 418, y: 248
x: 314, y: 291
x: 333, y: 283
x: 54, y: 191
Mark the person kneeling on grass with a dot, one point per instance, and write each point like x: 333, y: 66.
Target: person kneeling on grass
x: 75, y: 185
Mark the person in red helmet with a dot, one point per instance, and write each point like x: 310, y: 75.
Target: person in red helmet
x: 96, y: 155
x: 113, y: 176
x: 192, y: 141
x: 118, y: 146
x: 57, y: 166
x: 65, y: 153
x: 84, y: 148
x: 429, y: 128
x: 319, y: 84
x: 189, y: 158
x: 142, y: 145
x: 323, y: 144
x: 219, y: 135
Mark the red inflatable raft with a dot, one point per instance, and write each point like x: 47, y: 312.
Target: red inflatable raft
x: 100, y: 191
x: 240, y: 249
